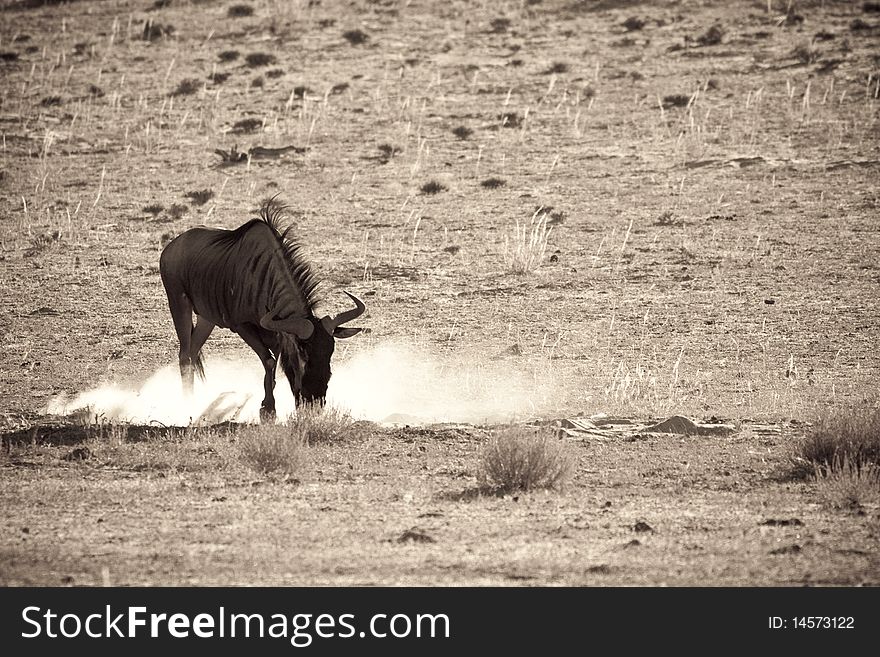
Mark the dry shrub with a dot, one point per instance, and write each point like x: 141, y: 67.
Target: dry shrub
x: 432, y: 187
x: 273, y: 449
x: 356, y: 37
x: 186, y: 87
x: 522, y: 459
x: 200, y: 196
x: 315, y: 425
x: 848, y: 485
x: 844, y: 436
x: 257, y: 59
x: 240, y: 11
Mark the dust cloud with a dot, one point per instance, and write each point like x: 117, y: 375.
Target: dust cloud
x: 387, y: 383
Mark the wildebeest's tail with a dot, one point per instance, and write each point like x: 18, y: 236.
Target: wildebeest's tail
x: 199, y: 365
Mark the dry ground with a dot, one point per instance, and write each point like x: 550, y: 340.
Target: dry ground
x: 712, y: 178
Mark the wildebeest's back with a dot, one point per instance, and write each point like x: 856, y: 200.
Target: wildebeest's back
x: 230, y: 276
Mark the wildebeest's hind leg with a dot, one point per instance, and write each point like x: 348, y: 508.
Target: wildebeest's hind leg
x: 198, y: 337
x: 182, y: 314
x: 251, y: 335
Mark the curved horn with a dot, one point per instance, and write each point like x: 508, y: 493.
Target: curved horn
x: 346, y: 315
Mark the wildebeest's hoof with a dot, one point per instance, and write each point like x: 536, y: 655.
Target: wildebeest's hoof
x: 267, y: 415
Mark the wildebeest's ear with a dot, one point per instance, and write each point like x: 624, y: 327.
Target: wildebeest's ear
x: 345, y: 332
x: 299, y: 326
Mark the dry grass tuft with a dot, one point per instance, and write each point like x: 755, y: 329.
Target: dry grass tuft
x: 187, y: 87
x: 849, y: 485
x: 247, y: 125
x: 317, y: 425
x: 522, y: 459
x: 258, y: 59
x: 356, y: 37
x: 850, y: 437
x: 525, y: 251
x: 432, y: 187
x: 240, y: 11
x: 273, y: 449
x: 283, y: 450
x: 200, y: 196
x: 493, y: 183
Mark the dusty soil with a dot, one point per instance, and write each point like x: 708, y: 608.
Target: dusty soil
x: 710, y: 177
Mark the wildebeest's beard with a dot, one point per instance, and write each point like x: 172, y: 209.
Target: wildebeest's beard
x: 306, y: 364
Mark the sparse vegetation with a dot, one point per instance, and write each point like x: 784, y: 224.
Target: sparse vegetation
x: 228, y: 55
x: 510, y: 120
x: 848, y: 439
x: 186, y: 87
x: 153, y: 31
x: 240, y: 11
x: 499, y: 25
x: 557, y: 67
x: 356, y: 37
x: 432, y: 187
x: 633, y: 23
x: 713, y: 36
x: 386, y: 152
x: 258, y: 59
x: 524, y: 251
x: 492, y: 183
x: 247, y: 125
x: 177, y: 211
x: 848, y: 485
x: 273, y: 450
x: 676, y: 100
x: 806, y: 53
x: 522, y: 459
x: 462, y: 132
x: 316, y: 425
x: 201, y: 196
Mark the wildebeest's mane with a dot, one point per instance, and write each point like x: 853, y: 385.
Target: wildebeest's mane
x: 273, y: 214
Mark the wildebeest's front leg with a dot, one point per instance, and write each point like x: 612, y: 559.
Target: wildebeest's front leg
x: 251, y: 335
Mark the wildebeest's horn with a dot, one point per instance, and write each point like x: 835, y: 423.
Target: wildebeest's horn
x: 333, y: 323
x: 299, y: 326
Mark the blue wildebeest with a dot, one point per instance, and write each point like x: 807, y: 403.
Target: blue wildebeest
x: 254, y: 281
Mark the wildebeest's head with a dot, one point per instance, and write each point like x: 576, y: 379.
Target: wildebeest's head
x: 306, y: 346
